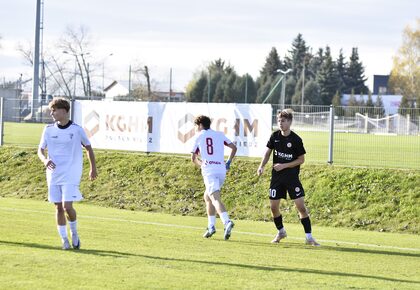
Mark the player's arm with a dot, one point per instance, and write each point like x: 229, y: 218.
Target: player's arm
x: 93, y: 173
x: 280, y: 166
x: 231, y: 155
x: 195, y: 159
x: 264, y: 161
x: 47, y: 162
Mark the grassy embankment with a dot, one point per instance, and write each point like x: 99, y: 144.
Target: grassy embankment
x: 373, y: 199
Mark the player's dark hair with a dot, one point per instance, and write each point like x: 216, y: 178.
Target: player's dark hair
x: 203, y: 120
x: 286, y: 113
x: 59, y: 103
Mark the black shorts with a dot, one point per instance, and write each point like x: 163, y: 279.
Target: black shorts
x: 278, y: 190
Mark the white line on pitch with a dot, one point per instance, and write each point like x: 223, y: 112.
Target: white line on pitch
x: 200, y: 228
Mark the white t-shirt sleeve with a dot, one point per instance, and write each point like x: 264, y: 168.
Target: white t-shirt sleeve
x: 83, y: 137
x: 43, y: 141
x: 195, y: 149
x: 226, y: 140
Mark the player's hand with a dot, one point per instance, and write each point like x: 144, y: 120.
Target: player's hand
x: 93, y: 174
x: 49, y: 164
x: 279, y: 166
x: 228, y: 164
x: 260, y: 171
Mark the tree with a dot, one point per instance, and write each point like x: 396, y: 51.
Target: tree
x: 340, y: 67
x: 77, y: 42
x: 272, y: 64
x: 355, y: 75
x: 327, y: 78
x: 297, y: 56
x: 379, y: 107
x: 196, y: 88
x: 312, y: 95
x: 405, y: 74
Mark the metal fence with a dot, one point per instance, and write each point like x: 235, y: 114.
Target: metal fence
x: 349, y: 136
x: 358, y: 136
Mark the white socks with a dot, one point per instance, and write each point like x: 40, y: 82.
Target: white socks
x: 212, y: 220
x: 62, y: 231
x: 225, y: 217
x: 308, y: 236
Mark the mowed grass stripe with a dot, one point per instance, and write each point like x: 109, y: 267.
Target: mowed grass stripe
x: 201, y: 229
x: 128, y: 255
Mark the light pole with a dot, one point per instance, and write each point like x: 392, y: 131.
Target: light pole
x: 103, y: 70
x: 283, y: 86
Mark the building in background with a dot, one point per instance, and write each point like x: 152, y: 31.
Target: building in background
x: 380, y: 84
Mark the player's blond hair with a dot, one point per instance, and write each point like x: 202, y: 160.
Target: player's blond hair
x: 59, y: 103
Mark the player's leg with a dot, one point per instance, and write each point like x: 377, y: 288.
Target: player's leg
x: 305, y: 220
x: 72, y: 218
x: 71, y: 193
x: 61, y: 225
x: 55, y: 196
x: 275, y: 194
x: 211, y: 215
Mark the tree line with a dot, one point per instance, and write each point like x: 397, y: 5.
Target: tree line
x: 320, y: 78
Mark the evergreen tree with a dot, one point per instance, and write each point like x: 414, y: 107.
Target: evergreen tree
x: 355, y: 75
x: 268, y: 75
x: 315, y: 63
x: 370, y: 105
x: 327, y: 78
x: 379, y: 107
x: 272, y: 64
x: 340, y: 67
x: 298, y: 55
x: 312, y: 96
x: 196, y: 89
x: 336, y: 101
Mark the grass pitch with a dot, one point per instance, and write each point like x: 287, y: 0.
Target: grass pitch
x: 137, y: 250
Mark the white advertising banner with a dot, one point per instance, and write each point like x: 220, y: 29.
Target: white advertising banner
x: 169, y: 127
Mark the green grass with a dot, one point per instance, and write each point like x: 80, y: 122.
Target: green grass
x: 359, y: 198
x: 349, y: 149
x: 136, y: 250
x: 27, y: 134
x: 352, y: 149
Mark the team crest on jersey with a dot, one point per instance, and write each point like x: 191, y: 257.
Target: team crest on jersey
x: 289, y: 145
x: 71, y: 135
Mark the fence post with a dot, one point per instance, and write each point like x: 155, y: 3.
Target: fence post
x: 1, y: 120
x: 331, y: 148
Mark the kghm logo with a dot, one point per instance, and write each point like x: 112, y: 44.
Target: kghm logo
x: 241, y: 127
x: 186, y: 125
x: 91, y: 123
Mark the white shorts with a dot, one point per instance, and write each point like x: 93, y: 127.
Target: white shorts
x: 214, y: 182
x: 65, y: 192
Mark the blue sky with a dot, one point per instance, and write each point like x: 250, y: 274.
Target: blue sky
x: 186, y: 35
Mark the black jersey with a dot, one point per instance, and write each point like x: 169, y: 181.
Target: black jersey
x: 286, y: 149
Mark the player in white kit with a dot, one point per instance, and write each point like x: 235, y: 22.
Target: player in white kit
x: 210, y: 145
x: 63, y: 141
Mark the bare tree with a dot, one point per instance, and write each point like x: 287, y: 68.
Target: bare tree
x: 76, y: 42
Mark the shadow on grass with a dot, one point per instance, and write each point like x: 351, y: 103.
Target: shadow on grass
x: 336, y: 248
x: 213, y: 263
x: 81, y: 251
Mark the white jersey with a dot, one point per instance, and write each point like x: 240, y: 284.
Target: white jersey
x: 210, y: 145
x: 64, y: 145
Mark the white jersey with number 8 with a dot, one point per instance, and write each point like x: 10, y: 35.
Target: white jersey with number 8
x: 210, y: 145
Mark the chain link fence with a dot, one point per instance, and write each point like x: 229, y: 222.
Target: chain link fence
x: 360, y: 136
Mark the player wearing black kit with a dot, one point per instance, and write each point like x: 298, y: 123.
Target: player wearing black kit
x: 288, y: 155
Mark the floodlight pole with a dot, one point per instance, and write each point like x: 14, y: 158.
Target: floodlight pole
x: 331, y: 147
